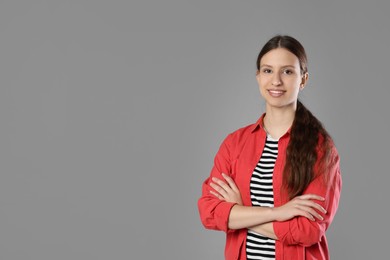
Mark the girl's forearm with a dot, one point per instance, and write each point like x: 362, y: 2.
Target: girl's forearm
x: 266, y: 229
x: 245, y: 217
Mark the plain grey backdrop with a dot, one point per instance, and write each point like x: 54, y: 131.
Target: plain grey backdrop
x: 112, y: 111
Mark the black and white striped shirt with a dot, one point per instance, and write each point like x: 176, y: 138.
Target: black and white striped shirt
x: 258, y: 246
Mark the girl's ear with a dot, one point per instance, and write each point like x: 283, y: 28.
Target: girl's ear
x: 305, y: 78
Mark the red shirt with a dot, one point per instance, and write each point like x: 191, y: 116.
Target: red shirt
x: 299, y: 237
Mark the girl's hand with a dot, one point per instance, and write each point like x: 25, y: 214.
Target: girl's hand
x: 300, y: 206
x: 227, y: 191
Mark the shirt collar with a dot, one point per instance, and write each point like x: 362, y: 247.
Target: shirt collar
x: 258, y: 124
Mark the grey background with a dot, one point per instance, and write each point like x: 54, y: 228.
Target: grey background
x: 112, y: 111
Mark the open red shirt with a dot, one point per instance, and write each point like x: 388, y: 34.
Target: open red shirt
x: 299, y: 237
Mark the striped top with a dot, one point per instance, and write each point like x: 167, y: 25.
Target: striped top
x: 261, y: 189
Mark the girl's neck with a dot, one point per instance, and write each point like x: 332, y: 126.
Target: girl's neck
x: 278, y: 121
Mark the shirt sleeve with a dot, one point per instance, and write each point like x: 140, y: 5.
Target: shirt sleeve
x: 303, y: 231
x: 214, y: 213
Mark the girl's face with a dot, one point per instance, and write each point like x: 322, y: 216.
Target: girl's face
x: 280, y: 78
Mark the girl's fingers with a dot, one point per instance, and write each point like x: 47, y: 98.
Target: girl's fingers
x: 220, y: 190
x: 230, y: 182
x: 222, y: 184
x: 319, y: 207
x: 311, y: 204
x: 307, y: 215
x: 217, y: 195
x: 311, y: 212
x: 311, y: 197
x: 304, y: 213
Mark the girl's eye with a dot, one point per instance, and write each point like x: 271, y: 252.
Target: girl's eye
x: 267, y: 71
x: 288, y: 72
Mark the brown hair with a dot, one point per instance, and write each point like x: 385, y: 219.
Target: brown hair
x: 309, y: 141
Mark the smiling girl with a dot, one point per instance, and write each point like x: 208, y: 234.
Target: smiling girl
x: 275, y: 185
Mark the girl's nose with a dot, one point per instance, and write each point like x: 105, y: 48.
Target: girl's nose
x: 276, y: 80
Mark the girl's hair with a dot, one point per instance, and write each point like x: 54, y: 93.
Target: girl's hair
x: 309, y: 140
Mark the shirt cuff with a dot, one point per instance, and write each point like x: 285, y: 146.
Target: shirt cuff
x: 283, y: 232
x: 222, y: 215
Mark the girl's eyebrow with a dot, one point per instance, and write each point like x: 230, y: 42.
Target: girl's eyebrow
x: 285, y: 66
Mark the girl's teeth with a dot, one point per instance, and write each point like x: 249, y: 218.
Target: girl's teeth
x: 276, y: 93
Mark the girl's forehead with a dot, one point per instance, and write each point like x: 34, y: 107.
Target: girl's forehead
x: 279, y: 57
